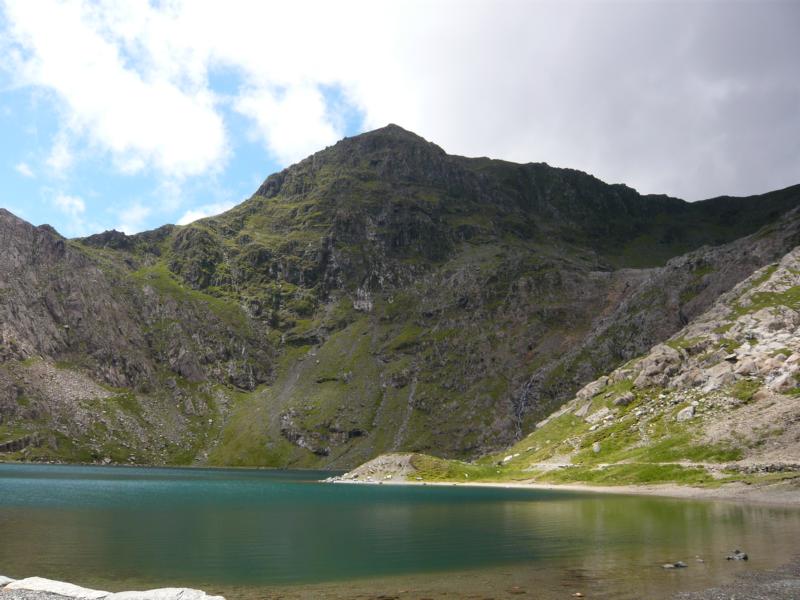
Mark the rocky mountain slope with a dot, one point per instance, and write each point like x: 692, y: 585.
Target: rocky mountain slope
x: 380, y: 295
x: 717, y: 402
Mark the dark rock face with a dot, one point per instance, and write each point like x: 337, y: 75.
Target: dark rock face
x: 426, y: 301
x: 60, y: 302
x: 79, y: 313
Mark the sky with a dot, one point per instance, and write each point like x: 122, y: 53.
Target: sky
x: 128, y: 114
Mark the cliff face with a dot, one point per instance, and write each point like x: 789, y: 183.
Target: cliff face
x: 94, y: 357
x: 718, y: 401
x: 379, y: 295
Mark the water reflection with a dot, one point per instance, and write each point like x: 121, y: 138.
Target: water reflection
x: 244, y: 530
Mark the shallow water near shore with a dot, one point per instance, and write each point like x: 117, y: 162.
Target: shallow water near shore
x: 264, y: 534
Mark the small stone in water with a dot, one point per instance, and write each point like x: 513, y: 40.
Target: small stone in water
x: 737, y: 555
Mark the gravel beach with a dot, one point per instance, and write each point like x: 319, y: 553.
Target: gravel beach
x: 779, y: 584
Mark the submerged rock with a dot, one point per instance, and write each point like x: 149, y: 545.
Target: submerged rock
x: 165, y: 594
x: 737, y: 555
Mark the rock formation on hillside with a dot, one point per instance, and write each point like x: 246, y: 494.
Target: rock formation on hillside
x: 718, y: 401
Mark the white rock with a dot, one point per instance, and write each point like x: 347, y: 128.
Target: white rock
x: 40, y: 584
x: 581, y: 412
x: 719, y: 376
x: 656, y: 368
x: 685, y: 414
x: 598, y: 415
x: 746, y: 367
x: 783, y: 383
x: 4, y: 581
x: 592, y: 388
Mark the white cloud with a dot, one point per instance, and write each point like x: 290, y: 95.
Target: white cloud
x: 694, y: 99
x: 132, y: 218
x: 23, y: 169
x: 60, y: 158
x: 201, y: 212
x: 74, y: 208
x: 292, y: 124
x: 142, y: 117
x: 70, y: 205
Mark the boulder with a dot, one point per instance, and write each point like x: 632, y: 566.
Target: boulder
x: 657, y: 367
x: 746, y: 367
x: 583, y: 410
x: 598, y: 415
x: 621, y: 374
x: 662, y: 354
x: 719, y: 376
x: 692, y: 377
x: 40, y: 584
x: 625, y: 399
x: 737, y: 555
x: 592, y: 389
x: 769, y: 365
x: 760, y: 395
x: 783, y: 383
x: 685, y: 414
x: 68, y: 590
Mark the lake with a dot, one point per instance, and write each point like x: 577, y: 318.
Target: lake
x: 264, y: 534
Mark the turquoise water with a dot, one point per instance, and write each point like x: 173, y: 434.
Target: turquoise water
x: 239, y: 530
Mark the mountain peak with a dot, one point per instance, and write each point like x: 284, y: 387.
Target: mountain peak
x: 391, y: 151
x: 392, y: 136
x: 393, y: 130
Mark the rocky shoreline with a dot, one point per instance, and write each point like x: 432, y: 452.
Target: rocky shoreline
x: 783, y: 494
x: 39, y: 588
x: 398, y: 469
x: 782, y: 583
